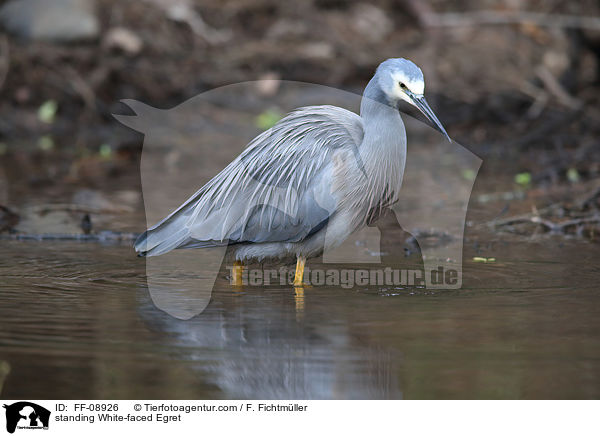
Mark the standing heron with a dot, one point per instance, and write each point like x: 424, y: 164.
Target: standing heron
x: 303, y: 186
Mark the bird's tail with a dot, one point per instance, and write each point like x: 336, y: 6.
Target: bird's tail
x: 163, y: 237
x: 175, y: 231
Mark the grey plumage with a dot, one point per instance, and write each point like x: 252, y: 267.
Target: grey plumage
x: 305, y: 184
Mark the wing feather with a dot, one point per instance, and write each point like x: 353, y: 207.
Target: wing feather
x: 272, y: 192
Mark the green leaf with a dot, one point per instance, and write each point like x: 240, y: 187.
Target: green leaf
x: 573, y: 175
x: 523, y: 179
x: 105, y: 151
x: 268, y: 119
x: 468, y: 174
x: 45, y: 143
x: 484, y: 259
x: 47, y: 112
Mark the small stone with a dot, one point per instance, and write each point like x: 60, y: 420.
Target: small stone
x: 371, y: 22
x: 268, y: 84
x: 8, y: 219
x: 51, y: 20
x: 96, y: 201
x: 22, y: 94
x: 317, y: 50
x: 86, y: 224
x: 123, y: 39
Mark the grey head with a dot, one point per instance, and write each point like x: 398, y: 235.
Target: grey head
x: 399, y: 80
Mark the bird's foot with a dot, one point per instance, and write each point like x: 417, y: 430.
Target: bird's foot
x: 237, y: 273
x: 299, y: 276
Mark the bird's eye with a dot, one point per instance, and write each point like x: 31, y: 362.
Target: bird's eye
x: 402, y: 85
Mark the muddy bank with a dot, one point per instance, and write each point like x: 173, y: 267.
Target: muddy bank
x: 515, y: 83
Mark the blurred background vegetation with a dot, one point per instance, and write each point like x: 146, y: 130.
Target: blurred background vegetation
x: 516, y: 81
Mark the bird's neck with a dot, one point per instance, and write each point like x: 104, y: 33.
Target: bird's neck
x: 384, y: 133
x: 372, y: 94
x: 383, y: 148
x: 380, y: 118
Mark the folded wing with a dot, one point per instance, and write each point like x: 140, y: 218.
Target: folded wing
x: 278, y: 190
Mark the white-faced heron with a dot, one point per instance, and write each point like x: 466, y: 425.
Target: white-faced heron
x: 303, y: 186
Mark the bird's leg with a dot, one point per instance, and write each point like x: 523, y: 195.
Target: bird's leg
x: 299, y: 299
x: 299, y: 277
x: 236, y: 273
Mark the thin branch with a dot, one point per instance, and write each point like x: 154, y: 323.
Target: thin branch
x: 104, y: 236
x: 553, y: 85
x: 4, y: 59
x: 551, y: 226
x: 481, y: 18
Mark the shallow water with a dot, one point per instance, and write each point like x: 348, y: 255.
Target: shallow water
x: 76, y: 321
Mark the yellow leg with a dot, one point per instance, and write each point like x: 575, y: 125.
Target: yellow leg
x: 299, y: 299
x: 236, y: 273
x: 299, y: 277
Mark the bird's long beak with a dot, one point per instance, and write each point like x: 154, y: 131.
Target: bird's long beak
x: 420, y: 102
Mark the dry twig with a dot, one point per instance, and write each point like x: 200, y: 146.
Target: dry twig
x: 4, y: 59
x: 481, y: 18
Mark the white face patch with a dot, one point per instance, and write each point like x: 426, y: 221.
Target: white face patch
x: 415, y: 86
